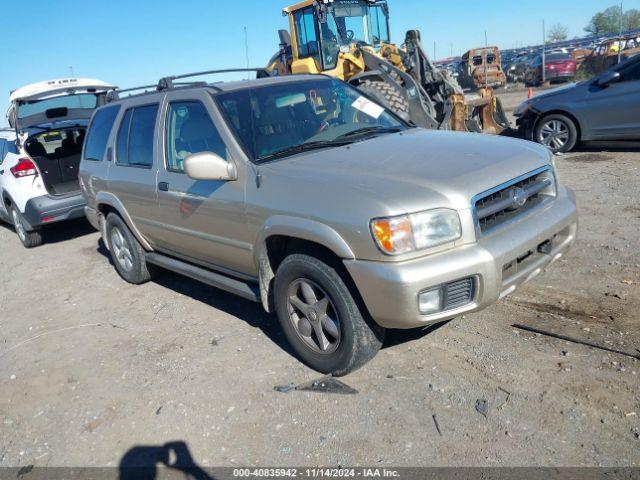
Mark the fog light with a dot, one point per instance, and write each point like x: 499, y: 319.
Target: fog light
x: 430, y: 301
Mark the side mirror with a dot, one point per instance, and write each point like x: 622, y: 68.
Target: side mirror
x: 209, y: 166
x: 609, y: 78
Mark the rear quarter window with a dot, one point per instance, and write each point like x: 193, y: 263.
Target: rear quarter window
x: 136, y: 137
x: 98, y: 135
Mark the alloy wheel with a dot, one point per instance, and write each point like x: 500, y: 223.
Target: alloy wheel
x: 17, y: 224
x: 313, y: 316
x: 554, y: 134
x: 121, y: 250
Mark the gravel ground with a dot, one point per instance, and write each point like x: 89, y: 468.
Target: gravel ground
x: 91, y: 367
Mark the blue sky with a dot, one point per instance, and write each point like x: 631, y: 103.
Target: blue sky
x: 135, y: 42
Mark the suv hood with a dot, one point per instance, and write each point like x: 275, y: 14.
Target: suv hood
x: 414, y: 170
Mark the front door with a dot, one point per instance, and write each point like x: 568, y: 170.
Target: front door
x: 613, y: 111
x: 203, y: 220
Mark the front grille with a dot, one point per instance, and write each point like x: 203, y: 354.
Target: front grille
x: 513, y: 199
x: 458, y: 294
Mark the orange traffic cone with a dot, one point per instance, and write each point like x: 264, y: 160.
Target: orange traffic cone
x: 530, y: 93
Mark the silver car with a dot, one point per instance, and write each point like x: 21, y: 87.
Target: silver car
x: 605, y: 108
x: 304, y: 195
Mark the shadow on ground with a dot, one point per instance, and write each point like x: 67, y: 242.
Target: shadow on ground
x: 604, y: 147
x: 61, y: 232
x: 143, y: 462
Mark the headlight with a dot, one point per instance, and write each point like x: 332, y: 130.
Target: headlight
x: 521, y: 109
x: 418, y: 231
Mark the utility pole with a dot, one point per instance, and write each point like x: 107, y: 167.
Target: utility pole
x: 620, y: 32
x: 434, y: 51
x: 544, y: 53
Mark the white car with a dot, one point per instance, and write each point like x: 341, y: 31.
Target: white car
x: 40, y: 156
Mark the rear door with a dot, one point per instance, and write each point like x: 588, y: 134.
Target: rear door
x: 132, y: 174
x: 202, y: 221
x: 612, y: 111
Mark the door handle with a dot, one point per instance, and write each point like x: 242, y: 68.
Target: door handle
x: 163, y: 186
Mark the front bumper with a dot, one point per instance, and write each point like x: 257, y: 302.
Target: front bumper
x: 526, y: 123
x: 45, y: 210
x: 390, y: 290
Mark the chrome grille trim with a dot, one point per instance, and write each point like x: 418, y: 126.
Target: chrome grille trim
x: 512, y: 200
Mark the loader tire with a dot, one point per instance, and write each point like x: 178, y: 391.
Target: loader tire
x: 387, y: 96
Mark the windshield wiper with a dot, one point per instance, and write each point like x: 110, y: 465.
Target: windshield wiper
x: 364, y: 132
x: 303, y: 147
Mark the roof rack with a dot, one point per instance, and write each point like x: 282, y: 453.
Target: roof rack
x: 167, y: 83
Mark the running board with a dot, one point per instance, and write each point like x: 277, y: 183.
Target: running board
x: 223, y: 282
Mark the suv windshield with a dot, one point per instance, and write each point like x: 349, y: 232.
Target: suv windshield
x: 71, y: 102
x: 280, y: 120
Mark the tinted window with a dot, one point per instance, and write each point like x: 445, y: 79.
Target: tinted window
x: 122, y: 155
x: 2, y: 149
x: 82, y: 101
x: 135, y: 137
x: 557, y: 57
x: 631, y: 72
x: 99, y: 130
x: 190, y: 130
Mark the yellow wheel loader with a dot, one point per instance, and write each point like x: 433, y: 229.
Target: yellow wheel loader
x: 350, y: 40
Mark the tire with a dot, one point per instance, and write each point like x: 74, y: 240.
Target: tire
x: 387, y: 96
x: 556, y: 131
x: 349, y: 340
x: 30, y: 239
x: 127, y: 254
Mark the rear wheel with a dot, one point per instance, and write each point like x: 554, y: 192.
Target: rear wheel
x: 127, y: 254
x: 321, y: 319
x: 558, y: 132
x: 29, y: 239
x: 387, y: 96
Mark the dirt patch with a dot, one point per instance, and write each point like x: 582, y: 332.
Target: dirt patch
x: 590, y: 157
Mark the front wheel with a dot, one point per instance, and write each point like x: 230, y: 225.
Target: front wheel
x: 321, y: 319
x: 29, y: 239
x: 558, y: 132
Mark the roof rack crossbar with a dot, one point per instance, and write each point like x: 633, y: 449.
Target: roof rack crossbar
x: 166, y: 83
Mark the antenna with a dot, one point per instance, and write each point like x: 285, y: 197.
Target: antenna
x: 246, y: 48
x: 70, y: 67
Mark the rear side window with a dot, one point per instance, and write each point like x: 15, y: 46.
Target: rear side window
x: 190, y: 130
x: 99, y: 131
x: 3, y: 149
x: 135, y: 137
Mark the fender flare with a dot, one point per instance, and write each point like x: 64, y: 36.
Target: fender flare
x: 294, y: 227
x: 104, y: 198
x: 6, y: 196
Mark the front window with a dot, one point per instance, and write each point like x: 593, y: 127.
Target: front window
x: 71, y: 102
x: 348, y: 22
x: 279, y: 120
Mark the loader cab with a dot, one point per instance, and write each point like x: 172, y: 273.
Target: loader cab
x: 324, y: 33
